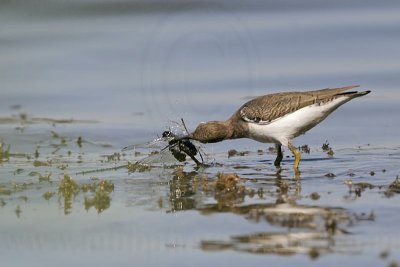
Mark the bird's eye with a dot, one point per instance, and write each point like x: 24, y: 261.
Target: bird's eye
x: 167, y: 134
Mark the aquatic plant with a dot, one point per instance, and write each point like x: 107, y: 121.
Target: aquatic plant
x: 326, y: 148
x: 4, y: 152
x: 68, y: 189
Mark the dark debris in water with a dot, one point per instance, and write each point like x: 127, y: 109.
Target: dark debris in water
x: 228, y: 190
x: 100, y: 201
x: 394, y: 188
x: 330, y: 175
x: 4, y: 152
x: 38, y: 163
x: 137, y: 167
x: 326, y: 148
x: 15, y: 187
x: 315, y: 196
x: 234, y: 152
x: 48, y: 195
x: 305, y: 148
x: 358, y: 187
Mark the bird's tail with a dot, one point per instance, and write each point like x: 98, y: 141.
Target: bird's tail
x: 354, y: 94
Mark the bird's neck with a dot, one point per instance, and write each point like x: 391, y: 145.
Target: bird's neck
x: 213, y: 131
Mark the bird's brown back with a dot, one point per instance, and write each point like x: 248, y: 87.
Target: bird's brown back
x: 270, y: 107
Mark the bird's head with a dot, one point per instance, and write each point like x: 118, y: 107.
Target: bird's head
x: 212, y: 132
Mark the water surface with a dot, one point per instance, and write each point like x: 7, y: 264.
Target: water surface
x: 118, y: 73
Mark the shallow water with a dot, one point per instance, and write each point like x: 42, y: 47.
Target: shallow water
x: 116, y: 74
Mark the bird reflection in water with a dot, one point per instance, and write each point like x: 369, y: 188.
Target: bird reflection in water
x: 305, y: 229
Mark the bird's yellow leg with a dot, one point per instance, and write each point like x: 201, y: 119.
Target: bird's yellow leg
x: 297, y: 157
x: 279, y: 155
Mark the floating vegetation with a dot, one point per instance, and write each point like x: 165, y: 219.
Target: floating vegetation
x: 360, y: 185
x: 326, y: 148
x: 137, y: 167
x: 14, y: 187
x: 358, y: 188
x: 234, y: 152
x: 54, y: 134
x: 23, y: 119
x: 330, y: 175
x: 315, y: 196
x: 33, y: 173
x: 38, y: 163
x: 228, y: 190
x: 18, y: 211
x: 101, y: 201
x: 48, y: 195
x: 62, y: 166
x: 4, y: 152
x: 5, y: 191
x: 227, y: 182
x: 2, y: 203
x: 23, y: 198
x: 395, y: 185
x: 258, y: 202
x: 305, y: 149
x: 394, y: 188
x: 44, y: 178
x: 90, y: 187
x: 18, y: 171
x: 106, y: 186
x: 69, y: 189
x: 113, y: 157
x: 79, y: 141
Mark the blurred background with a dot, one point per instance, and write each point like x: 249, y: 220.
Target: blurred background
x: 135, y: 65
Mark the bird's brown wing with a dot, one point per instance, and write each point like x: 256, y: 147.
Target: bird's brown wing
x: 267, y: 108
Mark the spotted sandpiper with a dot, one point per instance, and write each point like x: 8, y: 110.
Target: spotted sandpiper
x: 277, y: 118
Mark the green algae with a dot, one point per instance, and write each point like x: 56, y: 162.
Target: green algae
x: 100, y: 201
x: 48, y: 195
x: 38, y: 163
x: 68, y: 189
x: 4, y: 152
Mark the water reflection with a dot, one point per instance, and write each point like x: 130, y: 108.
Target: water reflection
x: 309, y: 229
x: 96, y: 193
x: 69, y: 189
x: 182, y: 189
x: 227, y: 189
x: 290, y: 228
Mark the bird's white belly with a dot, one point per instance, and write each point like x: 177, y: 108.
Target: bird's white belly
x: 282, y: 130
